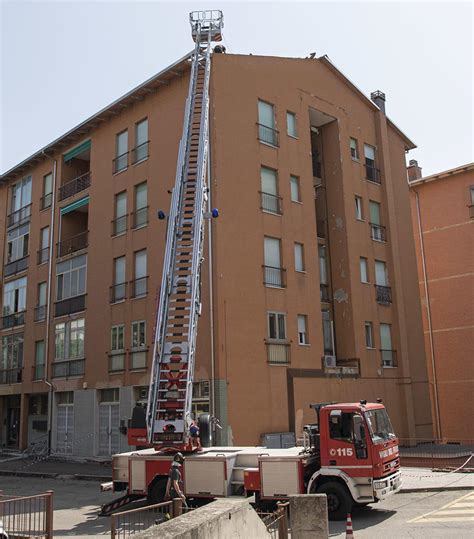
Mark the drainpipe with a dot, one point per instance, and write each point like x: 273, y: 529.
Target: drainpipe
x: 211, y: 288
x: 428, y: 312
x: 48, y: 304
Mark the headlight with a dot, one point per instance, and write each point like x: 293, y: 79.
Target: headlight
x: 380, y: 484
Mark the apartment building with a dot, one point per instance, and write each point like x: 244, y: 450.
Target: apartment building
x: 443, y: 219
x: 309, y: 286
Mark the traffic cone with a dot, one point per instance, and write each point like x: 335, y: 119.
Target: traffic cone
x: 349, y: 530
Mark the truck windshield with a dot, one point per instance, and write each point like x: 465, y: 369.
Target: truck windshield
x: 379, y: 425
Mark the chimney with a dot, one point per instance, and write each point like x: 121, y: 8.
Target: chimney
x: 414, y: 171
x: 378, y: 98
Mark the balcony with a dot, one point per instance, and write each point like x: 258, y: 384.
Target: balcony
x: 43, y: 255
x: 13, y: 320
x: 73, y: 243
x: 270, y: 203
x: 46, y: 201
x: 378, y: 232
x: 274, y: 276
x: 119, y: 225
x: 70, y: 305
x: 75, y: 186
x: 324, y: 293
x: 19, y: 217
x: 116, y: 361
x: 349, y: 366
x: 383, y: 294
x: 140, y: 152
x: 68, y: 368
x: 372, y: 174
x: 40, y: 313
x: 389, y: 358
x: 138, y: 287
x: 278, y: 353
x: 118, y: 292
x: 268, y: 135
x: 140, y: 217
x: 120, y: 163
x: 21, y: 264
x: 317, y: 170
x: 11, y: 376
x: 321, y: 228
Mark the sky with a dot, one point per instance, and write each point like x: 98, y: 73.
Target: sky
x: 62, y: 61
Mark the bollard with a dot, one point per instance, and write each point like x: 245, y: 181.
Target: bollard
x: 49, y: 514
x: 177, y: 507
x: 283, y: 520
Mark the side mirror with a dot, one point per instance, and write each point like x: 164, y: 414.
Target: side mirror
x: 360, y: 443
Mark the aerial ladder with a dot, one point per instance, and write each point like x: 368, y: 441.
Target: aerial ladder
x: 169, y: 419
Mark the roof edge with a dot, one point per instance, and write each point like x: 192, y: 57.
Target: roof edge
x: 442, y: 175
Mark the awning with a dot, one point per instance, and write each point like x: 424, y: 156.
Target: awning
x: 77, y: 150
x: 75, y: 205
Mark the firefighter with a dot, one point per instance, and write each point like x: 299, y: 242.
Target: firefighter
x: 173, y: 486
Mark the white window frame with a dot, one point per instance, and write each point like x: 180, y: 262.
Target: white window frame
x: 354, y: 149
x: 369, y: 335
x: 291, y: 126
x: 278, y: 316
x: 381, y: 264
x: 12, y: 351
x: 72, y: 274
x: 17, y: 238
x: 299, y: 257
x: 363, y: 262
x: 117, y: 336
x: 71, y: 332
x: 359, y: 210
x: 295, y: 188
x: 302, y: 326
x: 14, y: 296
x: 136, y: 327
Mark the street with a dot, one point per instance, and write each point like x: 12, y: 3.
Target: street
x: 416, y: 515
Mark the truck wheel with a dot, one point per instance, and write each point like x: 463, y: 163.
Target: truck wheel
x: 339, y: 500
x: 205, y: 430
x: 157, y: 491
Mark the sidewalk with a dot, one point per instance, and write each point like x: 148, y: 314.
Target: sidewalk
x: 423, y: 479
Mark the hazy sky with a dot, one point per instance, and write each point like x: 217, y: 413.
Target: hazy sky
x: 63, y: 61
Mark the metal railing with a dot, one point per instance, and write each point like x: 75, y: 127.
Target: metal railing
x: 19, y: 217
x: 11, y: 376
x: 372, y: 174
x: 116, y: 361
x: 278, y: 353
x: 118, y: 292
x: 66, y: 368
x: 349, y: 366
x: 274, y: 276
x: 13, y: 320
x: 27, y: 516
x: 378, y: 232
x: 73, y: 243
x: 446, y: 454
x: 46, y: 201
x: 383, y: 294
x: 75, y: 186
x: 388, y: 358
x: 119, y: 225
x: 140, y: 217
x: 40, y: 313
x: 70, y: 305
x: 120, y: 163
x: 139, y: 287
x: 43, y: 255
x: 277, y: 523
x: 21, y: 264
x: 271, y: 203
x: 140, y: 152
x: 324, y: 293
x: 268, y: 135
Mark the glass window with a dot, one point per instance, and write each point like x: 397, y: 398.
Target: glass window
x: 21, y: 194
x: 364, y: 274
x: 386, y: 345
x: 369, y: 338
x: 14, y: 296
x: 323, y: 275
x: 47, y: 184
x: 44, y: 238
x: 138, y: 334
x: 119, y: 270
x: 369, y: 154
x: 374, y: 212
x: 302, y: 331
x: 266, y: 114
x: 381, y: 273
x: 121, y: 204
x: 70, y: 340
x: 471, y: 189
x: 295, y: 188
x: 117, y: 335
x: 109, y: 395
x: 18, y: 243
x: 272, y: 252
x: 42, y: 293
x: 141, y: 132
x: 140, y: 264
x: 276, y: 326
x: 12, y: 352
x: 71, y: 277
x: 268, y: 178
x: 340, y: 426
x: 299, y: 257
x: 358, y: 208
x: 291, y: 124
x: 141, y: 196
x: 328, y: 337
x: 121, y: 151
x: 39, y: 359
x: 354, y: 149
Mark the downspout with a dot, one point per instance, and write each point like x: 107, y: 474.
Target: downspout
x: 48, y: 304
x: 428, y: 312
x: 211, y: 288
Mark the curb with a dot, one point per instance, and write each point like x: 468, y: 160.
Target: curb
x: 49, y: 475
x: 434, y: 489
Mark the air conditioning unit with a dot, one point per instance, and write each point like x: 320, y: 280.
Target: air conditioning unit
x: 330, y: 361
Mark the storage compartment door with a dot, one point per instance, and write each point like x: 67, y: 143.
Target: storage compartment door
x: 279, y: 478
x: 205, y: 477
x: 137, y: 476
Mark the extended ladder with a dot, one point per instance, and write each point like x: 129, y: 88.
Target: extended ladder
x: 168, y: 412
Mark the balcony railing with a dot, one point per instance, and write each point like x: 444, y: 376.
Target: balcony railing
x: 349, y: 366
x: 40, y: 313
x: 270, y: 203
x: 324, y: 293
x: 383, y: 294
x: 67, y: 368
x: 120, y: 163
x: 378, y: 232
x: 268, y: 135
x: 116, y: 361
x: 38, y: 372
x: 140, y: 217
x: 46, y: 201
x: 11, y: 376
x: 73, y: 243
x: 13, y: 320
x: 140, y: 152
x: 70, y: 305
x: 43, y: 255
x: 118, y: 292
x: 138, y: 287
x: 274, y: 276
x: 119, y: 225
x: 19, y: 217
x: 278, y: 353
x: 321, y: 228
x: 21, y: 264
x: 372, y: 174
x: 75, y: 186
x: 389, y: 358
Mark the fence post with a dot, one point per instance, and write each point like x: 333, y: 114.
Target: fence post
x: 112, y: 526
x: 177, y: 507
x: 49, y: 514
x: 283, y: 520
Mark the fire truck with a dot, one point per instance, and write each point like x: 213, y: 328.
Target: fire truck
x: 350, y: 453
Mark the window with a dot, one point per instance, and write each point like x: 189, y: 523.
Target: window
x: 121, y: 151
x: 364, y: 274
x: 276, y: 326
x: 20, y: 202
x: 117, y: 348
x: 354, y: 149
x: 388, y: 356
x: 266, y: 123
x: 12, y: 357
x: 369, y: 154
x: 374, y: 212
x: 140, y: 217
x: 302, y: 331
x: 369, y: 338
x: 141, y: 141
x: 358, y: 208
x: 70, y: 340
x: 120, y: 221
x: 43, y: 253
x: 328, y: 336
x: 269, y: 184
x: 471, y: 205
x: 18, y: 243
x: 299, y: 257
x: 119, y: 288
x: 471, y: 190
x: 111, y: 394
x: 39, y: 360
x: 140, y: 282
x: 14, y: 297
x: 295, y: 188
x: 380, y: 273
x: 323, y: 274
x: 291, y: 124
x: 273, y: 272
x: 138, y: 355
x: 47, y: 197
x: 41, y: 303
x: 340, y: 426
x: 71, y: 277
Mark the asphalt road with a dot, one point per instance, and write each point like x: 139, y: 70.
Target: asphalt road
x: 414, y: 515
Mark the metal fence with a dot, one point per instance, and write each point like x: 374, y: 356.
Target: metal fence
x: 277, y: 522
x: 437, y: 453
x: 27, y: 516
